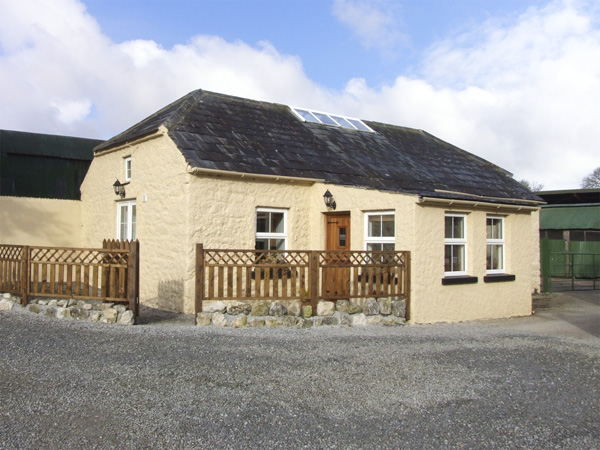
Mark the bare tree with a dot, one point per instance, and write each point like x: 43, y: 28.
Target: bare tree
x: 532, y: 185
x: 592, y: 181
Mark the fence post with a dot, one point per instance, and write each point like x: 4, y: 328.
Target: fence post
x: 407, y: 286
x: 545, y: 264
x: 313, y: 280
x: 25, y: 274
x: 199, y: 281
x: 132, y: 271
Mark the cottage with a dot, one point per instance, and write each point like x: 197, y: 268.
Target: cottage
x: 241, y: 174
x: 40, y: 178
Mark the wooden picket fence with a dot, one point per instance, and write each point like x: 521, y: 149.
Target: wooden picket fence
x: 109, y: 274
x: 308, y: 276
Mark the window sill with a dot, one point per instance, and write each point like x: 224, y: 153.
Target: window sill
x: 461, y: 279
x: 498, y: 277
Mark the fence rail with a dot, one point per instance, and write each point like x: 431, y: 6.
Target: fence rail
x: 307, y: 276
x: 109, y: 274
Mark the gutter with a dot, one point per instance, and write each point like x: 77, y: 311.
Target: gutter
x: 227, y: 173
x: 476, y: 204
x: 484, y: 197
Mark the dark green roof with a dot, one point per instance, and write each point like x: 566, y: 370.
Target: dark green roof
x: 43, y: 165
x: 574, y: 217
x: 19, y: 142
x: 220, y: 132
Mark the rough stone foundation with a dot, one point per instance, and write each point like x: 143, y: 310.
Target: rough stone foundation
x: 88, y: 310
x: 236, y: 314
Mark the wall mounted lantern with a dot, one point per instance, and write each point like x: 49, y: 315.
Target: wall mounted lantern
x: 120, y: 188
x: 329, y: 201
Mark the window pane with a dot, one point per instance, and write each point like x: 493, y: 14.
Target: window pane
x: 307, y: 115
x: 276, y: 222
x: 494, y: 228
x: 342, y: 237
x: 458, y: 227
x: 343, y: 122
x: 324, y: 118
x: 359, y: 125
x: 387, y: 225
x: 448, y: 228
x: 389, y: 247
x: 261, y: 222
x: 260, y: 244
x: 374, y: 226
x: 454, y: 260
x: 133, y: 221
x: 494, y: 257
x: 374, y: 247
x: 123, y: 222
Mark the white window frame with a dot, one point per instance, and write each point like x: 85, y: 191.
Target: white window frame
x: 379, y: 239
x: 496, y: 242
x: 456, y: 242
x: 127, y: 169
x: 131, y: 232
x: 268, y: 235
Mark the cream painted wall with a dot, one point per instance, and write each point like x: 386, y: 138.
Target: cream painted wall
x: 159, y: 183
x: 40, y: 221
x: 434, y: 302
x: 182, y: 209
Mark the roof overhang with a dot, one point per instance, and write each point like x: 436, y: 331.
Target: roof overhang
x: 438, y: 201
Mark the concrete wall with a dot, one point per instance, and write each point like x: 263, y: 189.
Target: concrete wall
x: 40, y: 221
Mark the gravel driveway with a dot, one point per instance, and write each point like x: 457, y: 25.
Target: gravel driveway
x: 518, y: 383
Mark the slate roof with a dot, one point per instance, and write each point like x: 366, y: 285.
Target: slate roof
x: 216, y: 131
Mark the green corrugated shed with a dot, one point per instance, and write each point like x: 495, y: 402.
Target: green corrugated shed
x: 43, y: 165
x: 576, y: 217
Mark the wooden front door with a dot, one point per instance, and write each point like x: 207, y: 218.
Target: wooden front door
x: 336, y: 278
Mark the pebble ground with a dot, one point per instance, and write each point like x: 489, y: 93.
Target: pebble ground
x: 166, y: 384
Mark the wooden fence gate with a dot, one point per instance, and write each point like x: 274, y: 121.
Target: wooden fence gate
x: 109, y: 274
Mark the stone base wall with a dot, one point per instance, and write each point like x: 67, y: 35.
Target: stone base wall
x: 88, y: 310
x: 236, y: 314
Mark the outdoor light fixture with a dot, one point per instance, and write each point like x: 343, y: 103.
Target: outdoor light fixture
x: 329, y: 201
x: 120, y: 188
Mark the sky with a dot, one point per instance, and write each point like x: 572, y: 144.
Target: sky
x: 516, y: 82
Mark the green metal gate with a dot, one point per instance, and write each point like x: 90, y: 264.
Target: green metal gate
x: 577, y: 269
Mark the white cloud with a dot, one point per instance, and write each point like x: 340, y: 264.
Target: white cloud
x: 372, y: 21
x: 525, y: 96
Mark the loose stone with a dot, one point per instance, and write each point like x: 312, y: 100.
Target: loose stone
x: 236, y: 308
x: 277, y: 309
x: 95, y: 316
x: 294, y: 309
x: 6, y: 305
x: 289, y: 321
x: 109, y: 316
x: 273, y: 322
x: 346, y: 306
x: 216, y: 307
x: 254, y: 322
x: 374, y: 320
x: 79, y: 313
x: 33, y: 308
x: 399, y: 308
x: 126, y: 318
x: 385, y: 306
x: 63, y: 313
x: 203, y: 319
x: 325, y: 308
x: 371, y: 307
x: 359, y: 319
x: 219, y: 320
x: 307, y: 311
x: 240, y: 321
x: 259, y: 308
